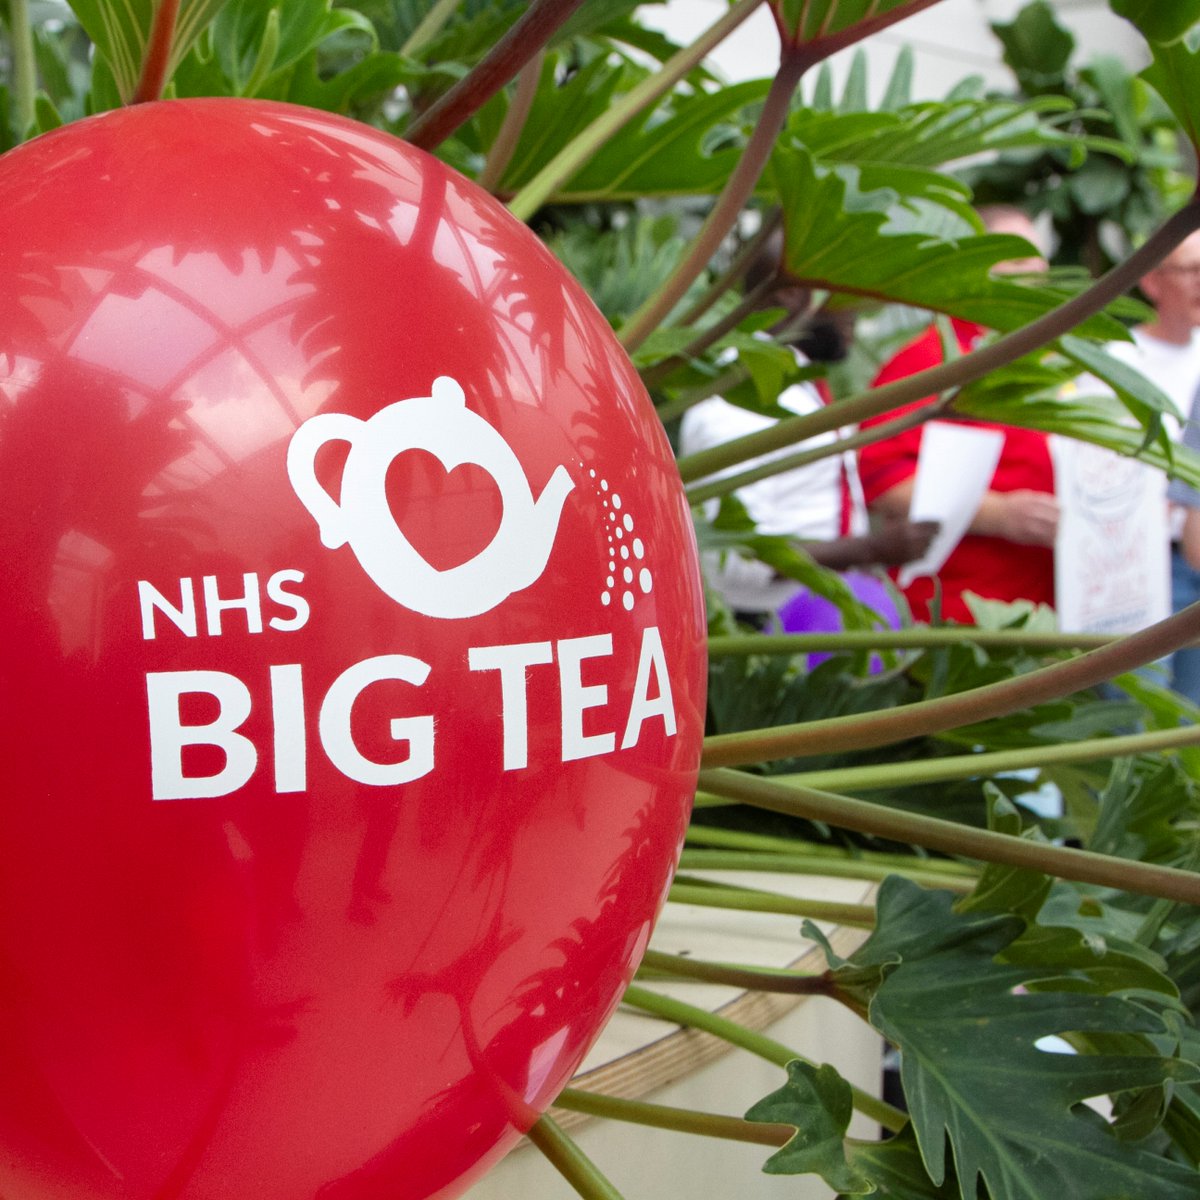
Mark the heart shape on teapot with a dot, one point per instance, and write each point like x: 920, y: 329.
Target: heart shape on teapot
x: 448, y: 517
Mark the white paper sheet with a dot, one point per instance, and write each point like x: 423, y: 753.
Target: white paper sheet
x: 1111, y: 558
x: 954, y: 469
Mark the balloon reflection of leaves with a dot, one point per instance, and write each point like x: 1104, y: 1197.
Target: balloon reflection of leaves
x: 166, y: 215
x: 71, y: 454
x: 433, y: 323
x: 631, y: 886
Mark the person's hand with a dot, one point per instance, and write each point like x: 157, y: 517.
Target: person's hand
x: 1025, y: 517
x: 896, y: 541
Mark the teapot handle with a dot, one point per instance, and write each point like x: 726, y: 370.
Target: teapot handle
x: 301, y: 466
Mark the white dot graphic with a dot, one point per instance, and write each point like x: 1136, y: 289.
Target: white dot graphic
x: 635, y: 578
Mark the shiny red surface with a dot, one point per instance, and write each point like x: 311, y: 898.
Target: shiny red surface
x: 310, y: 985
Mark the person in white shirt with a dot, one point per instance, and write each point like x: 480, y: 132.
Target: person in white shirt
x: 820, y: 506
x: 1167, y: 351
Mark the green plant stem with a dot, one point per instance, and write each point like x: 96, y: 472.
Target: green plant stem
x: 919, y: 637
x: 568, y: 160
x: 970, y: 766
x: 712, y: 333
x: 505, y: 145
x: 430, y: 26
x: 678, y: 1120
x: 949, y: 837
x: 708, y: 895
x: 525, y: 39
x: 24, y: 66
x: 823, y: 856
x: 790, y: 983
x: 739, y: 187
x: 803, y: 864
x: 952, y: 375
x: 736, y: 269
x: 699, y: 492
x: 571, y: 1162
x: 925, y: 717
x: 157, y: 58
x: 694, y: 1017
x: 670, y: 410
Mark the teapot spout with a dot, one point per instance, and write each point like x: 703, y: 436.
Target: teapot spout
x: 549, y: 504
x: 543, y: 528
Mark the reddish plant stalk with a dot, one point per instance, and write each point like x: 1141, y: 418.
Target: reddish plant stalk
x: 527, y: 37
x: 927, y: 717
x: 158, y: 53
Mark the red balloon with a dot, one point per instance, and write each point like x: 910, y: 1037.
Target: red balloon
x: 353, y: 680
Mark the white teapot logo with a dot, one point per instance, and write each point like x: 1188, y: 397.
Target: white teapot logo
x: 442, y: 425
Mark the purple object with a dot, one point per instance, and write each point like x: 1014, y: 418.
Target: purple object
x: 806, y: 612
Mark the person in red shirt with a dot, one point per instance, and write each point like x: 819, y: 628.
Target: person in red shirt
x: 1008, y: 550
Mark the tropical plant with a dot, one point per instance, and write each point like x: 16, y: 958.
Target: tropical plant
x: 641, y: 169
x: 1100, y: 203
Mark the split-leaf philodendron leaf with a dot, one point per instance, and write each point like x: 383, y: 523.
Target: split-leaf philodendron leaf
x: 967, y: 1025
x: 817, y: 1102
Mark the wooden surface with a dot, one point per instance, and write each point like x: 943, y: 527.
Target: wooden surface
x: 642, y: 1057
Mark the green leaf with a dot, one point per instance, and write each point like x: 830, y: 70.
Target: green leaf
x: 1158, y: 20
x: 898, y: 92
x: 47, y: 116
x: 818, y: 1102
x: 1089, y: 419
x: 257, y: 39
x: 854, y: 94
x: 1099, y: 964
x: 657, y: 154
x: 835, y: 238
x: 816, y: 23
x: 1148, y: 810
x: 1175, y: 75
x: 897, y: 1171
x: 1099, y: 185
x: 967, y: 1029
x: 562, y: 110
x: 374, y: 78
x: 1135, y: 391
x: 733, y: 532
x: 1036, y: 47
x: 1003, y: 888
x: 932, y: 134
x: 120, y: 30
x: 620, y: 267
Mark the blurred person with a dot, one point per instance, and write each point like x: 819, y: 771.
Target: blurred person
x: 1166, y: 350
x: 819, y: 506
x: 1007, y: 552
